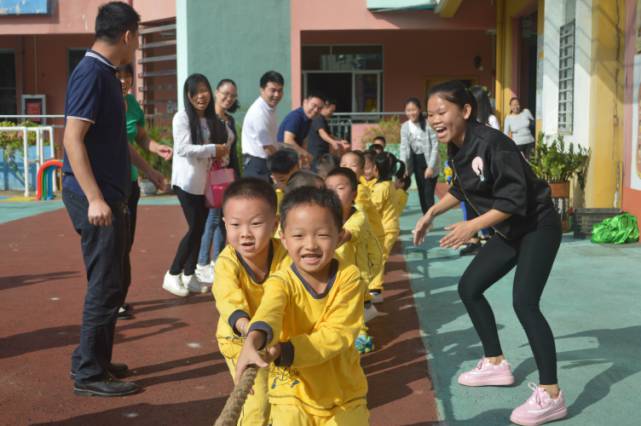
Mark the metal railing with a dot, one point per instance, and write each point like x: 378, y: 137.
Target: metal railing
x: 40, y: 132
x: 340, y: 124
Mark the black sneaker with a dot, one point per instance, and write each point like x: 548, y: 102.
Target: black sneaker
x: 108, y: 387
x: 125, y: 312
x: 117, y: 370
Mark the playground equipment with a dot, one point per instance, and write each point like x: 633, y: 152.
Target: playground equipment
x: 45, y: 181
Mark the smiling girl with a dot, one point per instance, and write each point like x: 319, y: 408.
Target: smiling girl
x: 199, y: 137
x: 493, y: 177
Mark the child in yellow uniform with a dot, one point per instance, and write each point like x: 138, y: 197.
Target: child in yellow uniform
x: 359, y: 245
x: 377, y: 168
x: 282, y: 165
x: 252, y: 254
x: 402, y: 183
x: 308, y: 321
x: 355, y: 160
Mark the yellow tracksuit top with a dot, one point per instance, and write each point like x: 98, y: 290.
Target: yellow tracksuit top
x: 238, y: 294
x: 364, y: 202
x: 363, y: 249
x: 383, y: 200
x: 400, y: 201
x: 319, y: 369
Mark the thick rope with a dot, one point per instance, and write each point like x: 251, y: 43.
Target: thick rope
x: 234, y: 405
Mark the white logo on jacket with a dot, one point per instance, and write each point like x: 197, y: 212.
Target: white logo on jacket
x: 477, y: 166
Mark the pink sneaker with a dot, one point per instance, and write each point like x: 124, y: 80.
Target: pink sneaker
x: 539, y: 408
x: 488, y: 374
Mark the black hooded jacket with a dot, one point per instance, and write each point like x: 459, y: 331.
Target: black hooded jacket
x: 491, y: 173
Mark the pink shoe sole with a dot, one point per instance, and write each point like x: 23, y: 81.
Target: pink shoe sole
x: 557, y: 415
x: 490, y: 381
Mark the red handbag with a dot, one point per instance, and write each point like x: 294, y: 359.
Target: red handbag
x: 218, y: 180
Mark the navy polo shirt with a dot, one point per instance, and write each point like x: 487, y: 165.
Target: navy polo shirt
x: 295, y: 122
x: 94, y: 95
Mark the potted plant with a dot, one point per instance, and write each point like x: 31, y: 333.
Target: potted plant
x: 557, y: 163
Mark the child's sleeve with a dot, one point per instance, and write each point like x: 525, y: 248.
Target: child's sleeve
x: 269, y: 315
x: 230, y: 298
x: 334, y: 333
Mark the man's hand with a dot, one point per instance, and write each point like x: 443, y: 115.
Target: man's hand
x: 270, y: 149
x: 459, y: 234
x: 99, y: 213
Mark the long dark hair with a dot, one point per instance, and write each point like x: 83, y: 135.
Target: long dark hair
x: 455, y: 91
x: 421, y: 114
x: 234, y: 107
x: 484, y: 107
x: 215, y: 132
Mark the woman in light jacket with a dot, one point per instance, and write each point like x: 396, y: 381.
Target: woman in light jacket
x: 199, y: 137
x: 419, y: 152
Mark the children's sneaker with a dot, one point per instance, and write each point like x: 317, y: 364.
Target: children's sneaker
x: 174, y: 285
x: 193, y: 285
x: 488, y: 374
x: 205, y: 273
x: 540, y: 408
x: 364, y: 343
x: 370, y: 311
x: 377, y: 296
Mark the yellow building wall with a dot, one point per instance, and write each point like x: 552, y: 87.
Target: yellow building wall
x: 506, y: 12
x: 604, y: 179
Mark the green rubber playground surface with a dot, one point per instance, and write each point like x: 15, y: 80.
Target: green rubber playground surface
x: 592, y: 301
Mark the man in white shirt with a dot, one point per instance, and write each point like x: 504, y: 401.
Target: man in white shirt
x: 260, y: 126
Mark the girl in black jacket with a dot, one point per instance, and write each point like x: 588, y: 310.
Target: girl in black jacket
x: 492, y: 176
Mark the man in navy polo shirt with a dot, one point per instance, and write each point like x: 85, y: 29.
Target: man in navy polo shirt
x: 295, y: 126
x: 95, y: 189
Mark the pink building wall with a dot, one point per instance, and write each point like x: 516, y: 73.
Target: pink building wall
x: 349, y: 17
x: 631, y: 200
x: 412, y: 57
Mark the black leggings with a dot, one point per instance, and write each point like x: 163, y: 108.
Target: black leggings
x: 424, y: 186
x: 196, y: 214
x: 533, y: 254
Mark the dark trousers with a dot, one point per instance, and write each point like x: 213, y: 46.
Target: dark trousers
x: 195, y: 212
x: 132, y: 205
x: 105, y: 254
x: 255, y: 167
x: 527, y: 149
x: 425, y: 187
x: 533, y: 255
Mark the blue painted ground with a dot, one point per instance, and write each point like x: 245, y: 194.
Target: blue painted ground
x: 592, y: 302
x: 18, y: 210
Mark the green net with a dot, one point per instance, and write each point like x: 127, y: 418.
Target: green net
x: 619, y: 229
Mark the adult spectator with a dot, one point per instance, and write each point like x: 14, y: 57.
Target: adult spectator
x: 200, y: 138
x: 136, y: 134
x: 260, y: 126
x: 419, y: 152
x: 295, y: 126
x: 95, y: 190
x: 320, y: 140
x: 518, y: 127
x: 214, y: 236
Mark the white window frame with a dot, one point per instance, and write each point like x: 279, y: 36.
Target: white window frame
x: 567, y: 49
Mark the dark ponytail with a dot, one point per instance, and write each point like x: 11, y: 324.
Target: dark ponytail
x: 421, y: 115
